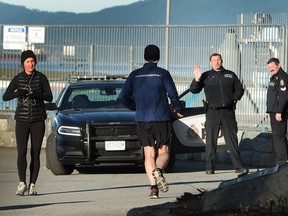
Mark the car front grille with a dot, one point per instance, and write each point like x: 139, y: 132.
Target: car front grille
x: 123, y: 131
x: 115, y: 131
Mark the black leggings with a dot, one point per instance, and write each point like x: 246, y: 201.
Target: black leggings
x: 36, y: 132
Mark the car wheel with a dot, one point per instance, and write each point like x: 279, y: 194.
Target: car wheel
x: 52, y: 160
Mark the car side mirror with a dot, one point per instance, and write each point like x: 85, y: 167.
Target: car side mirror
x: 51, y: 106
x: 183, y: 104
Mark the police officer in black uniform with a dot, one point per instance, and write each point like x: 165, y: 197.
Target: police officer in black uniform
x: 277, y: 104
x: 222, y: 89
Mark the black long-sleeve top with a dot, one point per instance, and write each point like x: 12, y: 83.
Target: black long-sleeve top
x: 222, y: 88
x: 277, y: 93
x: 30, y: 108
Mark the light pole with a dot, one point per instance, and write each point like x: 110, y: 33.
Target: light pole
x: 167, y: 34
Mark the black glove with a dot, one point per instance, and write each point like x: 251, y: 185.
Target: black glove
x: 21, y: 92
x: 36, y: 95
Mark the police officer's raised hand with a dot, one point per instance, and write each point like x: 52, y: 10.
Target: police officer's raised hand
x: 198, y: 72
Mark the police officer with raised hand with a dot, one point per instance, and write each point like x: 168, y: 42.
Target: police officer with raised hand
x: 277, y: 104
x: 222, y: 89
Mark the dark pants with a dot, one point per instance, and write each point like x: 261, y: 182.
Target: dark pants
x: 224, y: 119
x: 36, y: 132
x: 279, y: 130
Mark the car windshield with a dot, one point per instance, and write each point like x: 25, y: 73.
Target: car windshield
x: 92, y: 97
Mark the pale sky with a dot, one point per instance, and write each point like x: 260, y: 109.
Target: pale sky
x: 76, y: 6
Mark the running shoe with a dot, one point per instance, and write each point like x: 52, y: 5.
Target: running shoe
x: 21, y: 189
x: 154, y: 193
x: 161, y: 182
x: 32, y: 190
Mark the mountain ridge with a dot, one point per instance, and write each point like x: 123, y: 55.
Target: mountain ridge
x: 147, y: 12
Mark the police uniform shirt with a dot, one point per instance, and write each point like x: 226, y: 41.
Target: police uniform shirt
x: 277, y: 94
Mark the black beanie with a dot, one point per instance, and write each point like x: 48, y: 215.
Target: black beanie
x: 27, y: 54
x: 151, y: 53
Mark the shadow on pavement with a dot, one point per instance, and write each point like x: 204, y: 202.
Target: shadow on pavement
x: 181, y: 166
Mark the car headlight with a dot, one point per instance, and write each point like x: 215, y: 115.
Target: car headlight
x: 70, y: 131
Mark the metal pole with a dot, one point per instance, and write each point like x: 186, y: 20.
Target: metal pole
x: 167, y: 35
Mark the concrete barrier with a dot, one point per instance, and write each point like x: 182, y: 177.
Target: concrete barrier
x: 7, y: 133
x: 256, y: 150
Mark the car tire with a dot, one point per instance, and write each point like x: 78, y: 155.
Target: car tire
x: 52, y: 162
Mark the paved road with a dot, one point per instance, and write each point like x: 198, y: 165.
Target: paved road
x: 98, y: 191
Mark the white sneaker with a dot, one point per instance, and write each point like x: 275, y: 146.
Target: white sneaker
x: 21, y: 189
x: 32, y: 190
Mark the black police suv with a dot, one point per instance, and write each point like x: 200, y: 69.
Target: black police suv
x: 89, y: 126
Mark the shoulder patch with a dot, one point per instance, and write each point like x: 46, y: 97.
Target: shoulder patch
x: 282, y: 85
